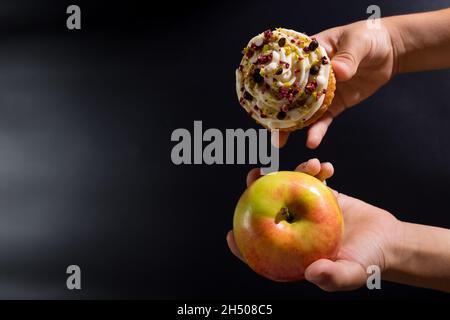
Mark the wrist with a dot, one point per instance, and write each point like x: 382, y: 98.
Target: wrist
x: 397, y: 249
x: 420, y: 41
x: 400, y: 252
x: 397, y: 45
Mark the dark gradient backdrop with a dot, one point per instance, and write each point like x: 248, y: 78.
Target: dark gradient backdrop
x: 85, y: 124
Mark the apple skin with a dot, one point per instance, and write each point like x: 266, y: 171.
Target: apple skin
x: 285, y: 221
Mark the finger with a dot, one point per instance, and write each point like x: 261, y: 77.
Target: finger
x: 311, y: 167
x: 317, y: 131
x: 348, y: 56
x: 232, y: 245
x: 337, y: 275
x: 253, y: 175
x: 279, y: 138
x: 326, y: 171
x: 328, y: 38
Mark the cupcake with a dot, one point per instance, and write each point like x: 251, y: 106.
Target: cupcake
x: 285, y: 80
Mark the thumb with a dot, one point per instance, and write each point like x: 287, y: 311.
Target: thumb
x: 336, y: 275
x: 350, y: 52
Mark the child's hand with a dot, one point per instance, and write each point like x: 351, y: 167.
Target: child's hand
x: 369, y: 234
x: 363, y: 60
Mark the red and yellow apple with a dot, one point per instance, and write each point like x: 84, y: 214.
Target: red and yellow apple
x: 285, y: 221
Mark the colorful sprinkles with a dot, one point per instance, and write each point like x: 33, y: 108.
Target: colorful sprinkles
x: 275, y: 60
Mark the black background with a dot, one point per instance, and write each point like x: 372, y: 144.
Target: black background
x: 86, y: 117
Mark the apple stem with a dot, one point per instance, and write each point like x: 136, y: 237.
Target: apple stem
x: 289, y: 217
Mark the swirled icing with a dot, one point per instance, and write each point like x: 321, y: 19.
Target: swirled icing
x: 282, y: 78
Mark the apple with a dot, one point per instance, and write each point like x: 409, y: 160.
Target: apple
x: 285, y: 221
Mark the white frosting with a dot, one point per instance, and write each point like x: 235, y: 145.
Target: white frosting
x: 296, y: 64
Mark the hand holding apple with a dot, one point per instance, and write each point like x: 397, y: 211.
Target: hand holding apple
x: 368, y: 238
x: 284, y: 222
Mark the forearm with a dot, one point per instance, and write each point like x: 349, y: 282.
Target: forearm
x: 420, y: 41
x: 420, y: 257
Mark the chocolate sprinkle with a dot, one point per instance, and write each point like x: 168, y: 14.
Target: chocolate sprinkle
x: 281, y: 115
x: 248, y: 96
x: 257, y: 77
x: 282, y: 42
x: 314, y: 69
x: 313, y: 45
